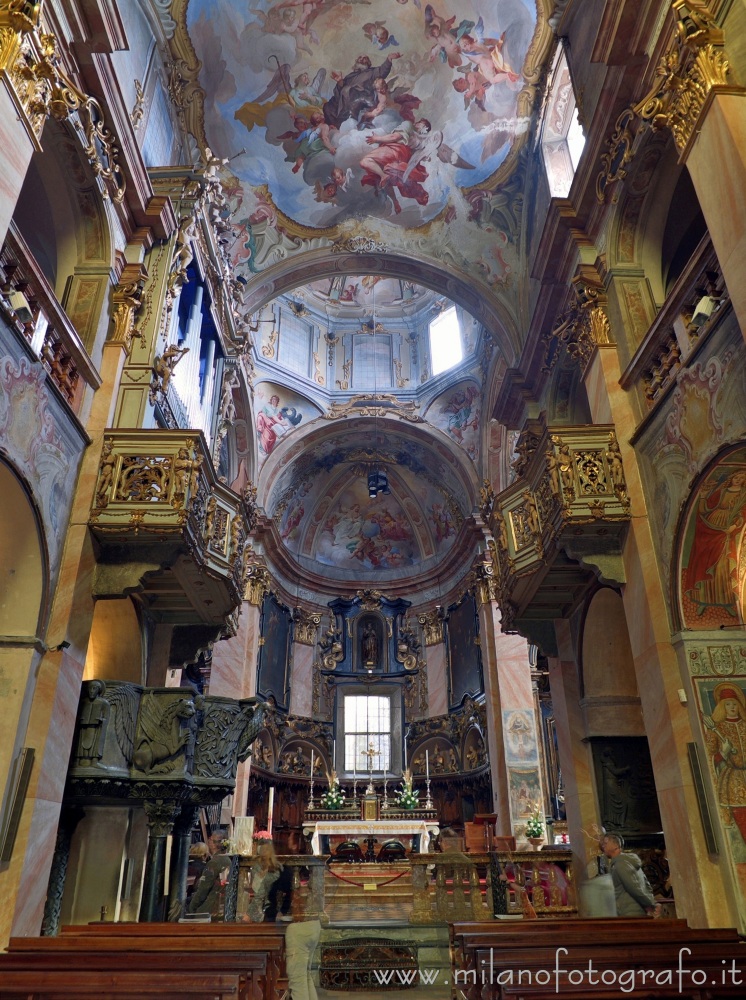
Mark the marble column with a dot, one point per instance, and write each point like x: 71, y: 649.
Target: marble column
x: 234, y: 661
x: 70, y: 816
x: 702, y: 901
x: 161, y: 815
x: 177, y: 881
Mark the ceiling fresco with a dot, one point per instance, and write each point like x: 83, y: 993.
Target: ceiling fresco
x: 320, y: 506
x: 331, y: 119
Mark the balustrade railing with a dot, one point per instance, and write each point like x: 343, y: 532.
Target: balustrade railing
x: 447, y: 888
x: 159, y: 486
x: 32, y: 309
x: 692, y: 307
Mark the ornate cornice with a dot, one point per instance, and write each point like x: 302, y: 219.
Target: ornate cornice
x: 692, y: 70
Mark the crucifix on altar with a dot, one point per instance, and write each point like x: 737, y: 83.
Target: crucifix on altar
x: 370, y: 801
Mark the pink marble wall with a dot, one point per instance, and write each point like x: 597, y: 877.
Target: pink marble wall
x: 437, y: 683
x: 301, y: 680
x: 17, y: 149
x: 721, y: 140
x: 703, y: 902
x: 234, y: 661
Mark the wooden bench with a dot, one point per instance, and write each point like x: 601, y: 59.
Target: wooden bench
x: 541, y: 959
x: 73, y: 983
x: 253, y: 954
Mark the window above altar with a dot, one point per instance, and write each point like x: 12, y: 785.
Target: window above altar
x: 367, y: 733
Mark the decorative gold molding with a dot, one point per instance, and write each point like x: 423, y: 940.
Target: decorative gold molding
x: 306, y: 626
x: 370, y: 600
x: 127, y: 301
x: 693, y: 69
x: 431, y: 623
x: 581, y: 328
x: 257, y: 582
x: 364, y: 405
x: 485, y: 584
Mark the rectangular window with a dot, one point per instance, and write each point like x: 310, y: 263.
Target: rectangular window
x: 294, y: 347
x: 446, y: 349
x: 371, y: 362
x: 367, y: 720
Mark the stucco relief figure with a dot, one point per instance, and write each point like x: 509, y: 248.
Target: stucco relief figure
x: 93, y: 718
x: 616, y: 790
x: 725, y: 737
x: 710, y: 575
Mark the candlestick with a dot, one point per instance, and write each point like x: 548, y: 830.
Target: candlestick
x: 310, y: 798
x: 385, y: 787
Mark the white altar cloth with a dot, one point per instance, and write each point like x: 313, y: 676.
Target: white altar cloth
x: 378, y: 828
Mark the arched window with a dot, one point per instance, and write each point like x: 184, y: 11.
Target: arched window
x: 562, y: 138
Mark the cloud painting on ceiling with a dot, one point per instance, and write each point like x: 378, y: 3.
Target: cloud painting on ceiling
x: 362, y: 108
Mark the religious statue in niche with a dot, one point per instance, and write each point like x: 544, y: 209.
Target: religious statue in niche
x: 369, y: 646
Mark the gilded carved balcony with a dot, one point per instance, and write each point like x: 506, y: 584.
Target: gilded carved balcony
x: 167, y: 528
x: 559, y: 524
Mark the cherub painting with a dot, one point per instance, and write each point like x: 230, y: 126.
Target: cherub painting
x: 347, y: 113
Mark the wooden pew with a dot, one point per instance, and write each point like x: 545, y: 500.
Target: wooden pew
x: 74, y: 983
x: 252, y: 953
x: 536, y: 960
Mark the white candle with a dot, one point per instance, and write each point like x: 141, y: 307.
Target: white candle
x: 312, y: 763
x: 270, y: 810
x: 427, y: 763
x: 405, y: 753
x: 334, y: 753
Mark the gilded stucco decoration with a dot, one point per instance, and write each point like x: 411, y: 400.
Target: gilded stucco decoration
x: 694, y: 67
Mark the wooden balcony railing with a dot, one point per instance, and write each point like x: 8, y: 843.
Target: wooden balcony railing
x: 44, y: 325
x: 570, y: 500
x: 673, y: 336
x: 157, y: 489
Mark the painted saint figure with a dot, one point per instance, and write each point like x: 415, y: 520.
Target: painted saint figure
x: 725, y: 737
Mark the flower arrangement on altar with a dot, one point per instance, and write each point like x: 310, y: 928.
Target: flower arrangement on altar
x: 333, y: 797
x: 407, y: 797
x: 262, y: 835
x: 535, y: 825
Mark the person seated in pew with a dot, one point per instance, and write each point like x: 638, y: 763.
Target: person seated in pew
x: 209, y: 893
x: 199, y: 855
x: 634, y: 896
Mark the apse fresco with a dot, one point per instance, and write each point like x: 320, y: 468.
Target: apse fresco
x: 321, y: 507
x: 712, y: 574
x: 458, y: 413
x: 278, y: 413
x: 361, y: 108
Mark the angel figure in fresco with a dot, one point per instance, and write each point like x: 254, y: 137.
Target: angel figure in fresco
x: 302, y: 93
x: 447, y: 39
x: 487, y: 56
x: 442, y: 522
x: 725, y: 737
x: 399, y: 101
x: 473, y: 86
x: 314, y: 138
x: 377, y: 33
x: 710, y: 573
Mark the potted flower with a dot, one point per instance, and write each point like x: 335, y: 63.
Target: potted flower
x: 333, y: 797
x: 535, y: 829
x: 407, y: 797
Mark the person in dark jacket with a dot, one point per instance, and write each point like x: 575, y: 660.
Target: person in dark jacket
x: 209, y: 893
x: 634, y: 896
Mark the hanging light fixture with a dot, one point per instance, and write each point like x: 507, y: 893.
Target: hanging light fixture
x: 378, y: 481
